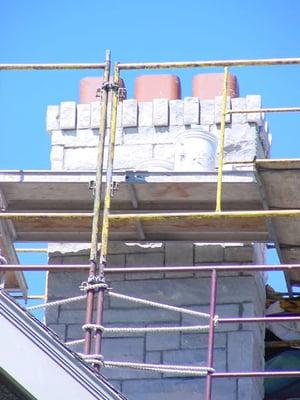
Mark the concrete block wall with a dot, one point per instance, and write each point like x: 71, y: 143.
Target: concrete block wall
x: 237, y: 347
x: 150, y: 130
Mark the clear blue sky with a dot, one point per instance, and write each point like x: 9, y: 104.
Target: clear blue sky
x: 80, y: 31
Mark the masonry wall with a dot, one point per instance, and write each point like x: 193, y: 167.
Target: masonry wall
x: 151, y: 131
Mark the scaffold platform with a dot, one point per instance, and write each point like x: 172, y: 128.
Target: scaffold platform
x: 56, y: 206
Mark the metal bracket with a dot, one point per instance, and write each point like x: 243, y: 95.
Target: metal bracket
x: 115, y: 186
x: 92, y: 186
x: 114, y: 87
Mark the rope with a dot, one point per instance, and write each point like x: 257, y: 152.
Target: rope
x: 74, y: 342
x: 57, y: 303
x: 85, y: 286
x: 162, y: 368
x: 160, y: 305
x: 154, y: 329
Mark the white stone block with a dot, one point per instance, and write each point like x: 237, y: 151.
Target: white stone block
x: 68, y: 115
x: 207, y: 112
x: 57, y: 157
x: 95, y: 114
x: 218, y: 109
x: 176, y: 112
x: 119, y: 114
x: 52, y: 119
x: 253, y: 101
x: 83, y: 116
x: 191, y: 110
x: 145, y: 113
x: 130, y: 113
x: 238, y: 103
x: 160, y: 112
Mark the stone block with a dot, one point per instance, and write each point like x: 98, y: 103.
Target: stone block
x: 80, y: 158
x: 207, y: 112
x: 200, y: 341
x: 59, y: 329
x: 176, y: 112
x: 160, y: 112
x: 71, y: 317
x: 139, y: 316
x: 75, y: 331
x: 129, y: 156
x: 162, y: 341
x: 178, y: 389
x: 250, y: 389
x: 240, y: 351
x: 57, y: 157
x: 130, y: 113
x: 145, y: 260
x: 123, y: 349
x: 222, y: 310
x: 191, y: 110
x: 145, y: 113
x: 197, y: 357
x: 164, y: 152
x: 238, y: 253
x: 153, y: 357
x: 95, y: 114
x: 135, y: 247
x: 238, y: 103
x: 115, y: 260
x: 253, y: 102
x: 208, y: 253
x: 67, y: 115
x: 218, y: 109
x: 52, y: 118
x: 83, y: 116
x: 179, y: 253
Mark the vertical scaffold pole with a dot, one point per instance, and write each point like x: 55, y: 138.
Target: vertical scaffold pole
x: 221, y: 142
x: 106, y: 209
x: 97, y: 203
x: 211, y: 334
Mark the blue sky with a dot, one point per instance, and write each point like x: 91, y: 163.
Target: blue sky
x: 77, y: 31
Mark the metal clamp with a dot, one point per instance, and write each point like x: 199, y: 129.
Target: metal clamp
x: 115, y: 186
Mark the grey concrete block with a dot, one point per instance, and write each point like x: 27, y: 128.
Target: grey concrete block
x: 145, y: 113
x: 130, y: 113
x: 176, y: 112
x: 59, y: 329
x: 254, y: 102
x: 208, y: 253
x: 240, y: 351
x: 179, y: 253
x: 238, y: 253
x: 67, y: 115
x: 95, y: 114
x: 207, y: 112
x: 83, y: 116
x: 250, y: 389
x: 238, y: 103
x: 178, y: 389
x: 72, y: 317
x: 191, y: 110
x: 222, y: 310
x: 123, y: 349
x: 51, y: 316
x: 153, y: 357
x: 197, y: 357
x: 145, y: 260
x: 160, y: 112
x: 119, y: 115
x: 116, y: 260
x: 162, y: 341
x: 52, y: 118
x: 140, y: 316
x: 142, y: 275
x: 200, y: 341
x: 218, y: 109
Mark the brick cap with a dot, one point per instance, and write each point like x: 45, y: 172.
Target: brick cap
x: 149, y: 87
x: 209, y: 86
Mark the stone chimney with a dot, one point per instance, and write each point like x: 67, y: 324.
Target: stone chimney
x: 160, y: 131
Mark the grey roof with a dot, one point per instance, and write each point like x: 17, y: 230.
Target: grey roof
x: 33, y: 356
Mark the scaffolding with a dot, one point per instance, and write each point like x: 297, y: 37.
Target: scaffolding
x: 102, y: 219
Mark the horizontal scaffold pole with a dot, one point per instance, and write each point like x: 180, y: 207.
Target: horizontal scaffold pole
x: 24, y: 67
x: 159, y: 216
x: 205, y: 64
x: 200, y: 268
x: 264, y: 110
